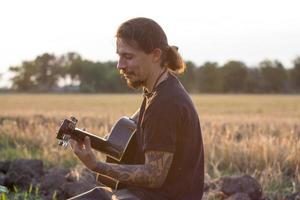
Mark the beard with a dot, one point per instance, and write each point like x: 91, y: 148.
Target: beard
x: 132, y: 84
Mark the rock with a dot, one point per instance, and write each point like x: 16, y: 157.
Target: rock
x: 87, y: 176
x: 53, y: 182
x: 265, y: 198
x: 214, y: 194
x: 74, y: 188
x: 23, y: 173
x: 22, y: 182
x: 4, y: 166
x: 79, y: 181
x: 239, y: 196
x: 241, y: 184
x: 295, y: 196
x: 2, y: 178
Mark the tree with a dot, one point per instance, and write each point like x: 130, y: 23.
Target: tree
x: 253, y: 81
x: 112, y: 81
x: 234, y: 74
x: 96, y: 76
x: 208, y: 78
x: 48, y: 72
x: 41, y: 74
x: 274, y: 76
x: 24, y: 79
x: 188, y: 77
x: 295, y: 74
x: 66, y: 61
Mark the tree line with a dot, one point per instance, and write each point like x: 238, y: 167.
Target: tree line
x: 72, y: 73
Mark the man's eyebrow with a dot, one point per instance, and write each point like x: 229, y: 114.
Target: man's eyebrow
x: 124, y: 53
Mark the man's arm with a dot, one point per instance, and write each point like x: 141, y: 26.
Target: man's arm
x: 151, y: 174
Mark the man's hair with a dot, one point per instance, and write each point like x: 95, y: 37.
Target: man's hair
x: 148, y: 35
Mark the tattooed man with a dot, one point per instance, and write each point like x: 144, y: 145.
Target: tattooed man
x: 169, y: 160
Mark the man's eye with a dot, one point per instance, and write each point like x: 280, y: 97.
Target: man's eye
x: 128, y: 57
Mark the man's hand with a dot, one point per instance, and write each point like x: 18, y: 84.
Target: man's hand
x: 84, y: 152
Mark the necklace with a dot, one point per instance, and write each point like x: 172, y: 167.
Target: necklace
x: 149, y: 94
x: 160, y: 75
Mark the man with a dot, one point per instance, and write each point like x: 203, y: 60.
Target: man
x: 169, y: 160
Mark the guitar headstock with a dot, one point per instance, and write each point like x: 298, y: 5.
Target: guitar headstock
x: 65, y: 131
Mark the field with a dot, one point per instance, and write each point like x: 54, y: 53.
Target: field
x: 254, y: 134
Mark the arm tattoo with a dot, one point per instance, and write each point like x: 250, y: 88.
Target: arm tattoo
x: 152, y: 174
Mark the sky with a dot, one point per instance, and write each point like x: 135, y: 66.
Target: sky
x: 204, y: 30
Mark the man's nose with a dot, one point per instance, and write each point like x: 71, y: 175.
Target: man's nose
x: 121, y: 64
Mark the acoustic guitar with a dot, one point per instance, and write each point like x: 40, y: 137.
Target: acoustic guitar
x: 119, y: 146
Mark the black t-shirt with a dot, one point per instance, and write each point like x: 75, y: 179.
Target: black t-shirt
x: 170, y: 123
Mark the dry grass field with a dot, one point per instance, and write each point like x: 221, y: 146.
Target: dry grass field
x: 254, y: 134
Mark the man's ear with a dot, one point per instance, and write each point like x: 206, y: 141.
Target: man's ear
x: 156, y: 55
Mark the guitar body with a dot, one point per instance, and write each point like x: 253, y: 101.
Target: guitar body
x: 120, y: 133
x: 120, y: 146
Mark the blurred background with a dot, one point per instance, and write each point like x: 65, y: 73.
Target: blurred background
x: 57, y: 59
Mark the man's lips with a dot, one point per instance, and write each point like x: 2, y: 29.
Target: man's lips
x: 126, y: 74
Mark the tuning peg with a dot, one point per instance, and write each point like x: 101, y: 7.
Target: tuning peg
x: 65, y: 144
x: 60, y: 142
x: 66, y: 137
x: 73, y: 119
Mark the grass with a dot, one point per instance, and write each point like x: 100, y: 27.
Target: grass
x: 254, y: 134
x: 30, y: 194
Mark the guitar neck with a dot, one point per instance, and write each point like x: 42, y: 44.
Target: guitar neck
x: 97, y: 143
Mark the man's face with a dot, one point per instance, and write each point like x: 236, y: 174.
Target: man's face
x: 134, y: 64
